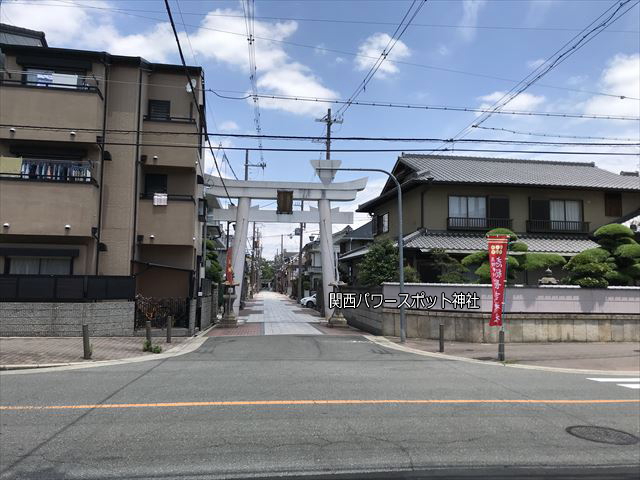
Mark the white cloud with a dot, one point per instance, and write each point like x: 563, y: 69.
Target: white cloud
x: 228, y: 126
x: 576, y: 80
x: 70, y: 27
x: 470, y: 12
x: 621, y: 77
x: 340, y: 60
x: 524, y: 101
x: 320, y: 49
x: 443, y: 50
x: 371, y: 49
x: 533, y: 64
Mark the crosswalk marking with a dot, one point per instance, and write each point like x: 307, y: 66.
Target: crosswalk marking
x: 626, y: 382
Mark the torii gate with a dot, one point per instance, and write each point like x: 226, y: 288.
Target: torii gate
x: 324, y: 193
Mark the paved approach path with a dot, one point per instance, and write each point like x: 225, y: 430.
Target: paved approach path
x: 271, y: 313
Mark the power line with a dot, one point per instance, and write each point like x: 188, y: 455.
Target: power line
x: 249, y: 10
x: 373, y: 150
x: 353, y: 54
x: 321, y: 138
x: 564, y: 52
x: 195, y: 99
x: 538, y: 134
x: 393, y: 40
x: 429, y: 107
x: 333, y: 20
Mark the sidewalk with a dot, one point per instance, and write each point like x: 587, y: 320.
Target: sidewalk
x: 54, y: 350
x: 613, y: 356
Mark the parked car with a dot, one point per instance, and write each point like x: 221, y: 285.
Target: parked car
x: 309, y: 301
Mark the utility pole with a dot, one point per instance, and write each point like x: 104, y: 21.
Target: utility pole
x: 326, y: 235
x: 247, y: 165
x: 253, y: 260
x: 300, y: 255
x: 281, y: 263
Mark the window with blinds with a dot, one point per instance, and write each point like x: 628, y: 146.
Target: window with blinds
x: 159, y: 110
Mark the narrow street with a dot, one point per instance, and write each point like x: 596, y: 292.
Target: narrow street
x: 274, y: 403
x: 271, y: 313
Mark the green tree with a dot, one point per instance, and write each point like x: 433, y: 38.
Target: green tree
x: 380, y: 264
x: 519, y: 259
x: 615, y: 262
x: 214, y: 270
x: 449, y: 269
x: 267, y: 270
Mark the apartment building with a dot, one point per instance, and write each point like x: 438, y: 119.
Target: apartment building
x: 100, y: 168
x: 450, y: 202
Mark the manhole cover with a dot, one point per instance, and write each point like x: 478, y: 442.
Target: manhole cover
x: 602, y: 435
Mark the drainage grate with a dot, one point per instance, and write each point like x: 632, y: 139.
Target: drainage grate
x: 602, y: 435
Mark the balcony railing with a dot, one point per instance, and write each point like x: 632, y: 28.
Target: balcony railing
x: 83, y: 85
x: 466, y: 223
x: 45, y: 169
x: 560, y: 226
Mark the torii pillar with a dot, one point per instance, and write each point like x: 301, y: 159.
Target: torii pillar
x: 323, y: 193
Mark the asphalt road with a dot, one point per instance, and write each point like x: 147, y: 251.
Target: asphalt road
x: 266, y: 406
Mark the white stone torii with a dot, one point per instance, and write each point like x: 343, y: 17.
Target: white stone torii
x: 323, y: 193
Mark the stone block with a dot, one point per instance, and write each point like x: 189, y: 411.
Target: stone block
x: 460, y: 327
x: 513, y: 329
x: 474, y: 330
x: 554, y: 328
x: 529, y: 330
x: 542, y: 330
x: 631, y: 329
x: 579, y: 330
x: 617, y: 330
x: 593, y: 332
x: 605, y: 333
x: 566, y: 329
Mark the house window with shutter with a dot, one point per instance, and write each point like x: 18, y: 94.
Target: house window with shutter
x: 613, y: 204
x: 159, y: 110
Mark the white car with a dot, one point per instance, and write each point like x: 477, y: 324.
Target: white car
x: 309, y: 301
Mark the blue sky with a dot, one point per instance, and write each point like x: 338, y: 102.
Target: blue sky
x: 505, y: 39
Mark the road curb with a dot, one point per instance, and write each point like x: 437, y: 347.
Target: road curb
x: 187, y: 347
x: 385, y: 342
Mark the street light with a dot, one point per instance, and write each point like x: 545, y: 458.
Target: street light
x: 403, y: 320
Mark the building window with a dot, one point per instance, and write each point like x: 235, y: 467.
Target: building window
x: 40, y: 265
x: 159, y: 110
x: 556, y: 215
x: 155, y: 183
x: 613, y: 204
x: 382, y: 223
x: 467, y: 207
x: 46, y: 77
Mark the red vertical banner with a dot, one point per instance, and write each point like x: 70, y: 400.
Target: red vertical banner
x: 229, y: 268
x: 498, y: 246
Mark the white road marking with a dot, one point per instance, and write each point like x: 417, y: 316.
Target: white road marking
x: 615, y: 380
x: 626, y: 382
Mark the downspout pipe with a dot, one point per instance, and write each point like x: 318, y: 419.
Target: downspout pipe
x: 136, y: 173
x: 107, y: 69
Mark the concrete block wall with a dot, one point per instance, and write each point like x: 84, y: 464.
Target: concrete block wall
x: 205, y: 319
x: 47, y: 319
x: 519, y: 328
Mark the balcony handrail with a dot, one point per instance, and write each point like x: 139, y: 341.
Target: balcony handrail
x: 178, y: 197
x: 51, y: 85
x: 478, y: 222
x: 566, y: 226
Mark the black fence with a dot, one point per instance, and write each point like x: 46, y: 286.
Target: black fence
x: 65, y: 288
x: 158, y: 310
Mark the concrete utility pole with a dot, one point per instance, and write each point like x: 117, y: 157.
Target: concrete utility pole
x: 300, y: 255
x: 326, y: 234
x: 252, y: 282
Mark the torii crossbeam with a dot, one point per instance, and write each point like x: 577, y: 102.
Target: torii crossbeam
x: 324, y: 194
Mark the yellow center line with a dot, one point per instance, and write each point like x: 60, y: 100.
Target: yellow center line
x: 311, y: 402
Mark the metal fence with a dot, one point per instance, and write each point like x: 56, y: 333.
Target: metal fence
x: 65, y: 288
x: 157, y: 310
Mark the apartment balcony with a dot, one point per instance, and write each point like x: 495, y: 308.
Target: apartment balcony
x: 65, y: 107
x: 557, y: 226
x: 48, y: 207
x: 170, y: 143
x: 170, y: 224
x: 465, y: 223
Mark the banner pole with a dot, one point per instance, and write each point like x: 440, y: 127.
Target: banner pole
x: 501, y: 355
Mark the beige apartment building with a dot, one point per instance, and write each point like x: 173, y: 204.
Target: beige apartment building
x: 450, y: 202
x: 101, y: 168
